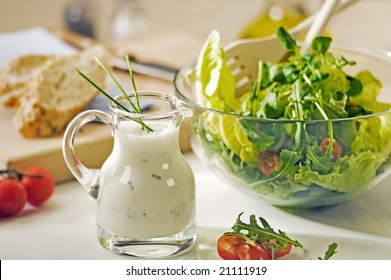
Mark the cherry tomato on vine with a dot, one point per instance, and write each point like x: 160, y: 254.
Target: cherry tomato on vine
x: 337, y: 148
x: 227, y: 246
x: 13, y: 197
x: 268, y: 161
x: 38, y: 190
x: 249, y: 252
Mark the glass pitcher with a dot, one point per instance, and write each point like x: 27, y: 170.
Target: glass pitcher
x: 145, y: 190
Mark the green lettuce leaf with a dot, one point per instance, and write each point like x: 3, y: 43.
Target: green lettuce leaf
x: 374, y: 133
x: 370, y: 91
x: 346, y: 175
x: 228, y: 130
x: 215, y: 85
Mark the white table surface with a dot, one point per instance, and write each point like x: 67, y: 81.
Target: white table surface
x: 64, y: 228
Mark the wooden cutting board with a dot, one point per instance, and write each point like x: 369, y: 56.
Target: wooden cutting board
x: 94, y: 141
x: 93, y: 145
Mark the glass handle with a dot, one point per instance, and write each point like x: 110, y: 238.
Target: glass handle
x: 89, y: 178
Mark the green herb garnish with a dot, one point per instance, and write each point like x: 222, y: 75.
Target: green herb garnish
x: 330, y: 252
x: 255, y: 234
x: 136, y: 107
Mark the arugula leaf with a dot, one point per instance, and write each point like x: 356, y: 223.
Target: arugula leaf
x: 252, y: 232
x: 320, y: 163
x: 332, y: 249
x: 289, y: 162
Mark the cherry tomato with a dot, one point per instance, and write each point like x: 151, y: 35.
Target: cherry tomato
x: 38, y: 190
x: 13, y: 197
x: 227, y: 246
x: 337, y: 148
x: 279, y: 253
x: 249, y: 252
x: 268, y: 161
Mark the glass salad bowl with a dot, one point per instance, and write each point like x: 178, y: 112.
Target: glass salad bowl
x: 300, y: 162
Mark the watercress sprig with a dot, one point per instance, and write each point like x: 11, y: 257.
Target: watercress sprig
x: 136, y: 107
x: 306, y: 74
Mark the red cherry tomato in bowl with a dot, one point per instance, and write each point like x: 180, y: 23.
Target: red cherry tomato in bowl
x: 13, y: 197
x: 337, y: 148
x: 268, y: 161
x: 38, y: 190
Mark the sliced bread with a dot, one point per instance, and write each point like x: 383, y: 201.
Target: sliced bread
x: 57, y: 93
x: 16, y: 75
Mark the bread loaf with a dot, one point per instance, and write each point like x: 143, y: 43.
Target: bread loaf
x: 56, y: 93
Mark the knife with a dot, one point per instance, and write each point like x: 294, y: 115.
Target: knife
x: 149, y: 69
x: 154, y: 70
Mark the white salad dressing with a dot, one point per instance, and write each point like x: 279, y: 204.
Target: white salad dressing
x: 147, y: 188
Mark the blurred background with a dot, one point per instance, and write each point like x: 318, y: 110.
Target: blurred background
x: 367, y: 22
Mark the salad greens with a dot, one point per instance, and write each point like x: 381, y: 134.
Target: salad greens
x: 319, y: 122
